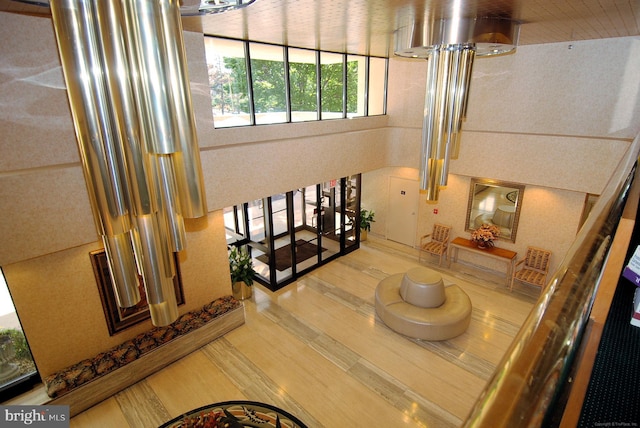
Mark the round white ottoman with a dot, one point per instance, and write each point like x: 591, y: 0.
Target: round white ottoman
x: 418, y: 305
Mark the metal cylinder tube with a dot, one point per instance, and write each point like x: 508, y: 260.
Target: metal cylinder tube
x: 445, y: 99
x: 82, y: 42
x: 186, y: 161
x: 417, y: 36
x: 122, y: 267
x: 79, y: 44
x: 125, y: 66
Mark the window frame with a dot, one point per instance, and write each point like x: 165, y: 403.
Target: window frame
x: 288, y: 90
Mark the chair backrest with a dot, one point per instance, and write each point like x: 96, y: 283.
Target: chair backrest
x: 440, y: 233
x: 537, y: 258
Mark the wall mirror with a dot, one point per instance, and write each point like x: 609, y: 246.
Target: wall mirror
x: 494, y: 202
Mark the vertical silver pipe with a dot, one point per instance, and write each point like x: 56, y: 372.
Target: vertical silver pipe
x: 124, y: 108
x: 448, y: 88
x: 90, y: 105
x: 157, y: 275
x: 167, y: 192
x: 162, y: 232
x: 187, y: 165
x: 121, y: 260
x: 126, y: 73
x: 147, y: 55
x: 153, y: 263
x: 426, y: 170
x: 447, y: 85
x: 81, y: 45
x: 457, y: 99
x: 468, y: 58
x: 166, y: 312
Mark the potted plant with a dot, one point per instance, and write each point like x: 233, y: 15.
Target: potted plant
x: 242, y: 273
x: 366, y: 218
x: 485, y: 235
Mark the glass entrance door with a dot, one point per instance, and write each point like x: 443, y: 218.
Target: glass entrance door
x: 292, y: 233
x: 351, y: 207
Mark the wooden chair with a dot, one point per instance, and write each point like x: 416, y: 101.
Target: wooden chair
x: 535, y: 267
x: 438, y: 244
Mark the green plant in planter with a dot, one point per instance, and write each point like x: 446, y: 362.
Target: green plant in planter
x: 366, y: 218
x: 241, y: 266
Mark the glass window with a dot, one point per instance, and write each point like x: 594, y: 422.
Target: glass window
x: 269, y: 90
x: 303, y: 80
x: 228, y: 82
x: 256, y: 220
x: 279, y: 214
x: 377, y: 80
x: 17, y: 370
x: 348, y: 85
x: 234, y: 223
x: 356, y: 85
x: 332, y: 85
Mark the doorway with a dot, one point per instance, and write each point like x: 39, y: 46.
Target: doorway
x: 402, y: 219
x: 291, y: 233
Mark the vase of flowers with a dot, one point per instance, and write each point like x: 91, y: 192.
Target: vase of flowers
x: 242, y: 273
x: 485, y: 235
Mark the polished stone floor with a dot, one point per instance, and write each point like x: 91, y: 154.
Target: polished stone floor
x: 317, y: 349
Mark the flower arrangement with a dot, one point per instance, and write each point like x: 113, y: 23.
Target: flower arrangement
x: 241, y: 266
x: 485, y: 234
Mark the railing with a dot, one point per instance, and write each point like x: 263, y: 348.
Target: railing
x: 525, y: 387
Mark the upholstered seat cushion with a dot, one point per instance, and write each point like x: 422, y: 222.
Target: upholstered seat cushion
x: 535, y: 267
x: 444, y: 322
x: 422, y: 287
x: 531, y: 276
x: 433, y: 247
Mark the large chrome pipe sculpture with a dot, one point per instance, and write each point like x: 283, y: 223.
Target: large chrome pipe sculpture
x: 446, y: 97
x: 126, y: 75
x: 450, y: 45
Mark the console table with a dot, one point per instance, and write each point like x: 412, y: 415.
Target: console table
x: 509, y: 257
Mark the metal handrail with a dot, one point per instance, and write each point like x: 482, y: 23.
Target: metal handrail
x: 525, y: 386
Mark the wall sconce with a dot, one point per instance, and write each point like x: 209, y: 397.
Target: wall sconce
x: 451, y: 46
x: 126, y: 75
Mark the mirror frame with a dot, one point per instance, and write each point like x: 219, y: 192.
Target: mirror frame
x: 470, y: 224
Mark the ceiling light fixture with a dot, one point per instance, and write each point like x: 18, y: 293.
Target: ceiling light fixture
x: 451, y: 46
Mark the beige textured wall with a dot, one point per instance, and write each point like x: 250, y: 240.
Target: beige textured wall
x: 60, y: 309
x: 253, y: 169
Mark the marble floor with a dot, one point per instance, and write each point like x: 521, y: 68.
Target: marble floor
x: 316, y: 349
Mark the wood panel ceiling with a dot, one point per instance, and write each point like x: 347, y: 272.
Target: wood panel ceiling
x: 367, y: 26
